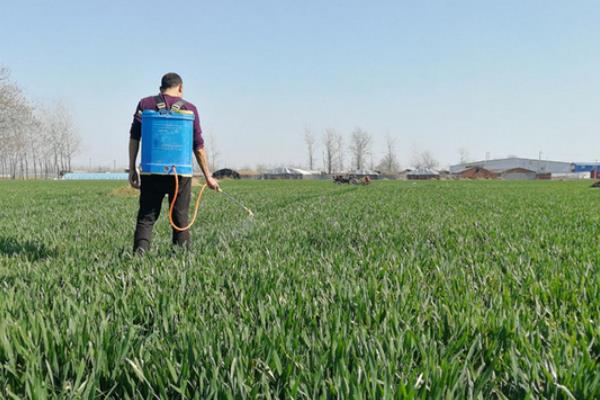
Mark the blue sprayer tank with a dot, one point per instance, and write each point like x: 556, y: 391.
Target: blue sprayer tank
x: 166, y: 142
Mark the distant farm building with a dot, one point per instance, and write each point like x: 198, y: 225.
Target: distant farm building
x: 247, y: 173
x: 476, y: 173
x: 290, y: 173
x: 226, y: 173
x: 517, y: 168
x: 586, y: 167
x: 539, y: 166
x: 423, y: 174
x: 544, y: 176
x: 361, y: 173
x: 519, y: 174
x: 403, y: 174
x: 593, y: 169
x: 96, y: 176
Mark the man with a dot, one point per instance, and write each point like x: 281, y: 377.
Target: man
x: 153, y: 188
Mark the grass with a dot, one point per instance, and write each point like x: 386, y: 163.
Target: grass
x: 396, y: 290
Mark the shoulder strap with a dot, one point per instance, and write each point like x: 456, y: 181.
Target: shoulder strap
x: 178, y: 104
x: 160, y: 104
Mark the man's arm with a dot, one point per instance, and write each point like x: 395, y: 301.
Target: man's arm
x: 203, y: 163
x: 134, y: 175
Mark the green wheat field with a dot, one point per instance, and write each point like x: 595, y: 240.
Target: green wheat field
x: 394, y: 290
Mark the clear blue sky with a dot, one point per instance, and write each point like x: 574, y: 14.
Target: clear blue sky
x: 505, y: 77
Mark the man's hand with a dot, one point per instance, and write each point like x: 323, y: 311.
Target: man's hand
x: 134, y: 178
x: 203, y: 163
x: 134, y: 174
x: 212, y: 183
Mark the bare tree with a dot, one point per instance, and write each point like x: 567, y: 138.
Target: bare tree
x: 311, y: 145
x: 328, y: 150
x: 16, y: 123
x: 49, y: 136
x: 261, y: 168
x: 425, y: 160
x: 360, y: 147
x: 463, y: 153
x: 389, y: 164
x: 339, y: 152
x: 69, y: 139
x: 55, y: 142
x: 33, y: 143
x: 213, y: 150
x: 62, y: 140
x: 333, y: 151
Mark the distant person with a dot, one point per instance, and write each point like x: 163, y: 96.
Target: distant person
x: 153, y: 188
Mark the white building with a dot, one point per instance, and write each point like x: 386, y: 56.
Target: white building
x: 501, y: 165
x: 423, y: 174
x: 290, y: 173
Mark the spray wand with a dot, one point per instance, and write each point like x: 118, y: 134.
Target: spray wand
x: 236, y: 201
x: 183, y: 228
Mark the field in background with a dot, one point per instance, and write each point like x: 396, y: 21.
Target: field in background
x: 398, y: 289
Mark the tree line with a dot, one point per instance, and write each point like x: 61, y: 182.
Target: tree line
x: 35, y: 141
x: 357, y: 152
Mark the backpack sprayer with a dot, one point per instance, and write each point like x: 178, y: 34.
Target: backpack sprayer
x: 167, y: 148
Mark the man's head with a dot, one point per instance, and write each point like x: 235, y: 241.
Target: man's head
x: 171, y: 84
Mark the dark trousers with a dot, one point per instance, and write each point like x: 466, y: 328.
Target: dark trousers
x: 152, y: 192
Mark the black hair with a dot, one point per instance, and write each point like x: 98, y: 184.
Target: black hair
x: 169, y: 81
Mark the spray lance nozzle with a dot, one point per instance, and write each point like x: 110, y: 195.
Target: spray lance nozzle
x: 237, y: 202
